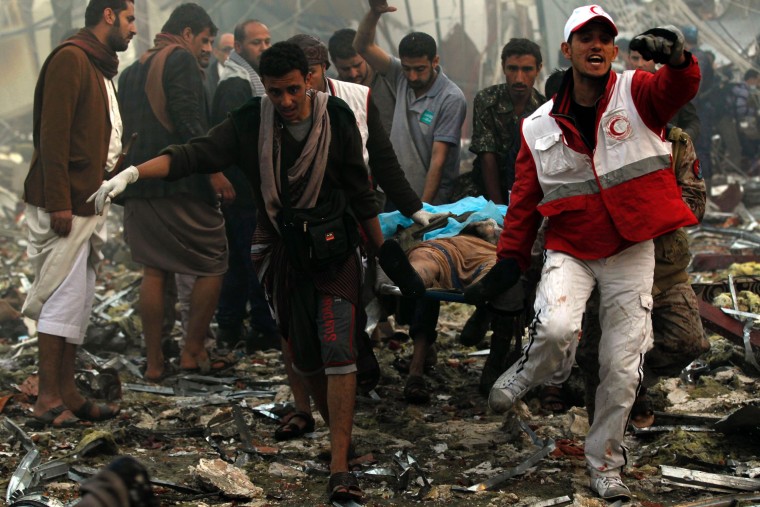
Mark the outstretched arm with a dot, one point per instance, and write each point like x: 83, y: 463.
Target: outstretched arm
x: 364, y: 41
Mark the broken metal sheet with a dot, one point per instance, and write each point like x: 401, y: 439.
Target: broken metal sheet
x: 23, y: 478
x: 245, y: 433
x: 407, y: 462
x: 749, y: 356
x: 484, y: 352
x: 694, y: 370
x: 80, y: 473
x: 560, y: 500
x: 145, y: 388
x: 50, y: 470
x: 205, y: 379
x: 26, y: 440
x: 723, y: 501
x: 545, y: 447
x: 250, y: 394
x: 718, y: 322
x: 706, y: 480
x: 266, y: 410
x: 347, y: 503
x: 37, y: 500
x: 651, y: 430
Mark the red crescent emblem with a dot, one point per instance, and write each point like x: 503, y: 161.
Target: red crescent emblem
x: 614, y: 130
x: 594, y: 7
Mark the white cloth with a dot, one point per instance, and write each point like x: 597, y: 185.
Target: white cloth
x: 66, y: 313
x: 625, y: 287
x: 52, y: 257
x: 117, y: 128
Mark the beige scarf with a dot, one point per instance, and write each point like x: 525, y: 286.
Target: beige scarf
x: 314, y: 154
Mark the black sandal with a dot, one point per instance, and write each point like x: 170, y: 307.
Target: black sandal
x: 344, y: 487
x: 416, y: 390
x: 289, y: 430
x: 105, y: 412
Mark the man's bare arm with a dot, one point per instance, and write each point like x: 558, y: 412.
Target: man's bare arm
x: 435, y: 171
x: 364, y: 41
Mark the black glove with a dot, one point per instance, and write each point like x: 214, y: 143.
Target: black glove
x: 503, y: 275
x: 663, y: 44
x: 395, y: 264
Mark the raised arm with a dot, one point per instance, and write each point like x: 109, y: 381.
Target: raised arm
x: 364, y: 41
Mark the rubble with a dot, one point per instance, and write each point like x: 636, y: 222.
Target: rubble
x: 221, y: 427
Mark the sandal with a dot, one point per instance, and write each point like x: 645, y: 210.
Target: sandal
x: 212, y: 364
x: 289, y: 429
x: 552, y: 400
x: 169, y: 371
x: 416, y: 390
x: 642, y: 413
x: 47, y: 419
x: 344, y: 487
x: 104, y: 411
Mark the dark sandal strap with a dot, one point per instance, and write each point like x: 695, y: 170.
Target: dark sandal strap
x: 344, y: 486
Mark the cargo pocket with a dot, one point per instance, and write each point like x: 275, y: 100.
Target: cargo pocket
x: 642, y: 319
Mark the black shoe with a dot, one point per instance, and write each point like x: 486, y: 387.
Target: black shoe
x: 476, y: 327
x: 228, y: 337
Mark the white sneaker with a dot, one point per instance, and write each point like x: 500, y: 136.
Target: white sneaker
x: 610, y: 487
x: 508, y: 388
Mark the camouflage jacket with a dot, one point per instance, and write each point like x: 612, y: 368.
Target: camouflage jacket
x: 671, y: 251
x: 495, y: 129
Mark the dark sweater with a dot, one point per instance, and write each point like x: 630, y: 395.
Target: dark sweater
x: 235, y: 141
x: 186, y: 107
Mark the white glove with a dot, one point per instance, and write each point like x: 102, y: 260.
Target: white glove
x: 424, y: 218
x: 113, y: 187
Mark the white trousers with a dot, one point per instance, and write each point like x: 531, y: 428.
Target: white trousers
x: 625, y: 286
x: 66, y: 313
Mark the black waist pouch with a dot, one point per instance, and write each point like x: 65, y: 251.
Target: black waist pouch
x: 316, y: 238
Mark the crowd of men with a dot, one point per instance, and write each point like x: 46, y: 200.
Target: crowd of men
x: 230, y: 147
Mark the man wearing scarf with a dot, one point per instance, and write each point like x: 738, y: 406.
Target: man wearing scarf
x: 239, y: 82
x: 312, y: 139
x: 77, y: 135
x: 174, y: 227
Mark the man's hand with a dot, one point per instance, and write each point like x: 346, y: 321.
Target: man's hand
x: 503, y: 275
x: 113, y: 187
x: 663, y: 44
x: 60, y: 222
x: 223, y: 189
x: 380, y: 6
x: 424, y: 218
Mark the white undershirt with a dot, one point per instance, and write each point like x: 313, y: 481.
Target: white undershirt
x: 114, y: 145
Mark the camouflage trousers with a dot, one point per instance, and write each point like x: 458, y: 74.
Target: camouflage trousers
x: 678, y: 336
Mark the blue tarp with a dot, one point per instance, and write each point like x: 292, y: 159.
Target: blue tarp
x: 481, y: 208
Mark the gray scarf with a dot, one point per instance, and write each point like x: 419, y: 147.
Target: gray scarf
x: 236, y: 66
x: 314, y: 154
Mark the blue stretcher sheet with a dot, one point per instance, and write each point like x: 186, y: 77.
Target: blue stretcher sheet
x: 481, y: 208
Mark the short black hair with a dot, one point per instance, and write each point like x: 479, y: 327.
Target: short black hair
x: 341, y: 44
x: 191, y: 16
x: 416, y: 45
x: 239, y: 32
x: 519, y: 47
x: 554, y: 82
x: 94, y: 11
x: 751, y: 74
x: 281, y: 58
